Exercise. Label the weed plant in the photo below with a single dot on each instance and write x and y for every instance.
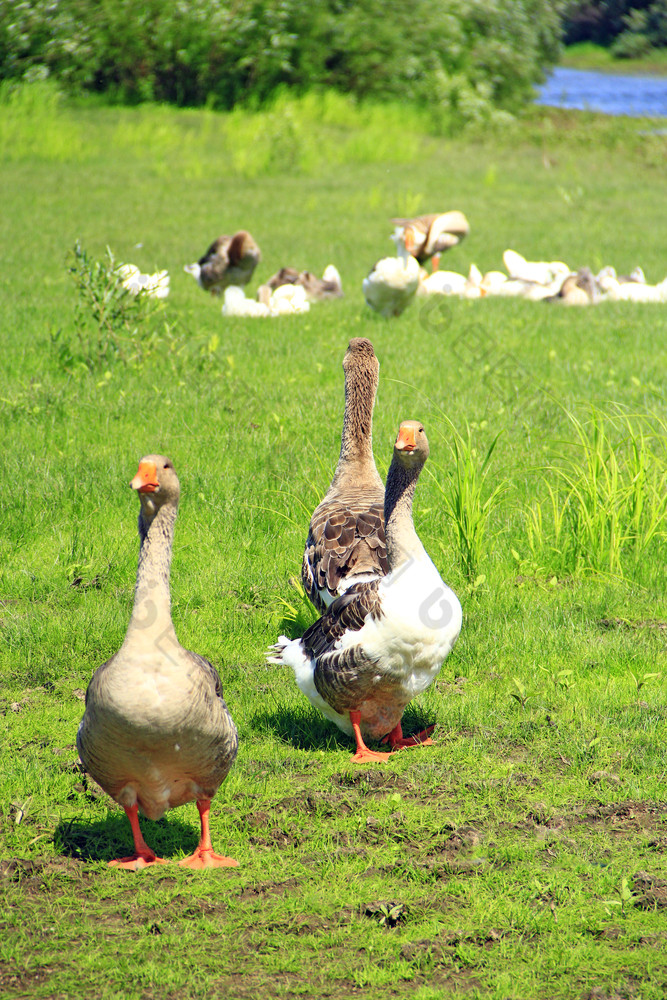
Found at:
(606, 504)
(522, 855)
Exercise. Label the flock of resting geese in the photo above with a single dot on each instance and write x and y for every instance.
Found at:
(157, 733)
(394, 282)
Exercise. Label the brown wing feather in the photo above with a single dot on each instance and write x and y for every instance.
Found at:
(421, 222)
(344, 677)
(342, 542)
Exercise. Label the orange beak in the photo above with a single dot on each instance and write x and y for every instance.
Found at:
(406, 439)
(145, 480)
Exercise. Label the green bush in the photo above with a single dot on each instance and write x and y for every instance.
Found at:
(464, 54)
(629, 29)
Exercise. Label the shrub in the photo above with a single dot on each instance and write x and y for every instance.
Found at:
(466, 54)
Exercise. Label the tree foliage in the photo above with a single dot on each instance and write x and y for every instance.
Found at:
(221, 52)
(630, 29)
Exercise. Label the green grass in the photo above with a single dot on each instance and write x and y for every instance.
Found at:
(588, 55)
(502, 862)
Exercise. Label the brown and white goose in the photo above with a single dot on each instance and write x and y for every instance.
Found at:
(427, 236)
(156, 732)
(230, 260)
(383, 642)
(329, 286)
(346, 542)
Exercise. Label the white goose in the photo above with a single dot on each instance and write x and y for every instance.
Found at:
(287, 300)
(441, 283)
(383, 642)
(155, 286)
(156, 732)
(346, 543)
(618, 290)
(392, 284)
(536, 272)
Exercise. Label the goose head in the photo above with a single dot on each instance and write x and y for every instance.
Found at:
(409, 239)
(156, 483)
(360, 355)
(411, 447)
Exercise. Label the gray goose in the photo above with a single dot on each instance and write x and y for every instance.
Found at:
(156, 732)
(383, 641)
(230, 260)
(427, 236)
(346, 542)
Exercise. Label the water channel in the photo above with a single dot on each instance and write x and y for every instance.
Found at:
(611, 93)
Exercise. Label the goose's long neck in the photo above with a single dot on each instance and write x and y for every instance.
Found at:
(403, 542)
(151, 614)
(402, 253)
(356, 447)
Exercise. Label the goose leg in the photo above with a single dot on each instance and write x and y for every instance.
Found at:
(397, 742)
(363, 753)
(143, 855)
(435, 262)
(205, 856)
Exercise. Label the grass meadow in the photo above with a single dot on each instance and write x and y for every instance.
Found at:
(523, 855)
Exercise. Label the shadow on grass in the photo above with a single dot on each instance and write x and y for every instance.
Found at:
(306, 729)
(111, 838)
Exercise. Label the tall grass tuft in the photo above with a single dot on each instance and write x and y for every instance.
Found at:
(606, 497)
(469, 501)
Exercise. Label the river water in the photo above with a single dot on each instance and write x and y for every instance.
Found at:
(613, 94)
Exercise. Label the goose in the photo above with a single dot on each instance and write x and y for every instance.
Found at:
(384, 641)
(346, 543)
(534, 272)
(473, 288)
(580, 289)
(230, 260)
(155, 286)
(236, 304)
(493, 282)
(156, 732)
(633, 291)
(392, 284)
(441, 283)
(427, 236)
(285, 301)
(289, 299)
(329, 286)
(637, 275)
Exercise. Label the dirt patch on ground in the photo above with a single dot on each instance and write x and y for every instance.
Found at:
(377, 781)
(21, 983)
(262, 889)
(624, 623)
(33, 874)
(650, 892)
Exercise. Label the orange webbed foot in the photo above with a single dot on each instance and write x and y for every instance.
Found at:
(137, 861)
(367, 756)
(363, 754)
(397, 741)
(203, 858)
